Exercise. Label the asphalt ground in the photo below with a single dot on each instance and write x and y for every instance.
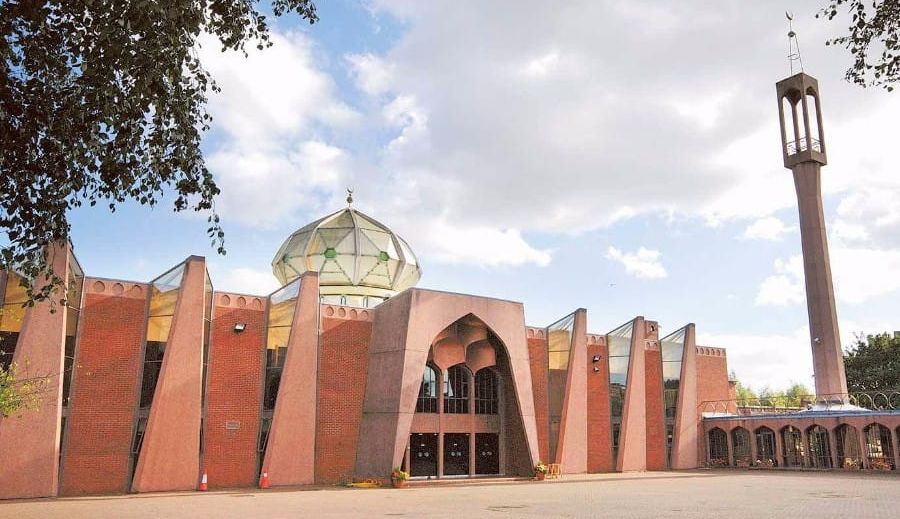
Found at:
(716, 493)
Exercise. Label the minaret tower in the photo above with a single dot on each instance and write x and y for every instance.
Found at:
(803, 149)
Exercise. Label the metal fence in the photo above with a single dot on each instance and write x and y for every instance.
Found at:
(888, 400)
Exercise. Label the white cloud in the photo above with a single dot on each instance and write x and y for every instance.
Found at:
(760, 360)
(858, 275)
(372, 74)
(264, 98)
(785, 286)
(263, 187)
(471, 114)
(242, 280)
(268, 159)
(480, 245)
(642, 264)
(541, 66)
(769, 228)
(862, 274)
(870, 215)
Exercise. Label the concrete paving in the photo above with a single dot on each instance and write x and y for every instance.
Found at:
(723, 493)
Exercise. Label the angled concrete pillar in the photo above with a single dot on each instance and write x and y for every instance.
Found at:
(571, 450)
(170, 453)
(685, 452)
(29, 439)
(633, 435)
(291, 448)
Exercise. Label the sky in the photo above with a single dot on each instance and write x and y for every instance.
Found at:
(619, 156)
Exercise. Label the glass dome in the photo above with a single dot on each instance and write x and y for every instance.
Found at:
(360, 261)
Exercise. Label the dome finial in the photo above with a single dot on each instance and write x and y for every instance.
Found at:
(349, 196)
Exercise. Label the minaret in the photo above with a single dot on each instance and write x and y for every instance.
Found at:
(803, 148)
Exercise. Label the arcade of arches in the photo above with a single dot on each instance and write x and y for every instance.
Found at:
(870, 442)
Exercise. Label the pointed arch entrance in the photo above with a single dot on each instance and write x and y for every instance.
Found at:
(422, 327)
(459, 432)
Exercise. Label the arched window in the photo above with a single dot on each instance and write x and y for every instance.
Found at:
(847, 446)
(792, 446)
(428, 402)
(819, 447)
(456, 390)
(718, 447)
(486, 401)
(879, 451)
(765, 446)
(740, 439)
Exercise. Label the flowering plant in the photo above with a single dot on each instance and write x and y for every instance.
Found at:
(399, 474)
(880, 464)
(851, 464)
(541, 467)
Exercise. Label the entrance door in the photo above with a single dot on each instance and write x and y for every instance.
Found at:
(456, 454)
(423, 453)
(487, 455)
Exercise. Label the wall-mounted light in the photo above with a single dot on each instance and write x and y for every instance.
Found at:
(239, 327)
(596, 358)
(596, 369)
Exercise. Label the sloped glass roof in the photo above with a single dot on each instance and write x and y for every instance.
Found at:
(353, 253)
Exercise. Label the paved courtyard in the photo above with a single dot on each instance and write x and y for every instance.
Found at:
(685, 494)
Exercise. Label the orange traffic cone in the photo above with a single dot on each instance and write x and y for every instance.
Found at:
(264, 480)
(203, 481)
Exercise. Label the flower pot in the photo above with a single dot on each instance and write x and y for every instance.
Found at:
(539, 476)
(398, 483)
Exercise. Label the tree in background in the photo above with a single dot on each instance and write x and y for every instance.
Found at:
(873, 363)
(744, 394)
(796, 395)
(873, 40)
(104, 101)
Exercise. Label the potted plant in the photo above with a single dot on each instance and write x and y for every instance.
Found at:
(399, 477)
(851, 464)
(540, 471)
(880, 464)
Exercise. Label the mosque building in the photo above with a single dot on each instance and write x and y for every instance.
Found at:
(349, 370)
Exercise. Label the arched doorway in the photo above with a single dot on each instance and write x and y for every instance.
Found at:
(718, 447)
(765, 446)
(819, 447)
(879, 449)
(740, 441)
(847, 447)
(792, 446)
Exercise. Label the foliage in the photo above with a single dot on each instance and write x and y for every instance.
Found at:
(796, 395)
(873, 363)
(873, 40)
(399, 474)
(18, 393)
(541, 467)
(104, 101)
(744, 394)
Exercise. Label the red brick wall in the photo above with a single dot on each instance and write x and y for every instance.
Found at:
(537, 354)
(656, 426)
(343, 367)
(103, 395)
(712, 377)
(234, 390)
(599, 440)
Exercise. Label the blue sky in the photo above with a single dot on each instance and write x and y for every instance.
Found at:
(617, 156)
